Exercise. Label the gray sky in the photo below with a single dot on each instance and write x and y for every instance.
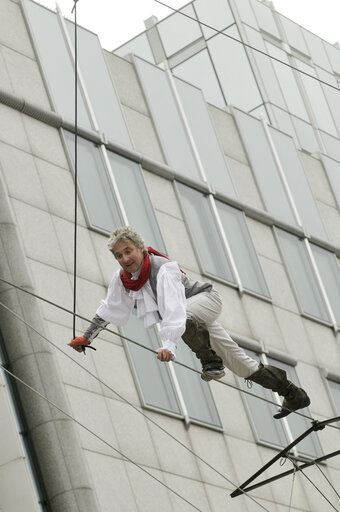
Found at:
(117, 22)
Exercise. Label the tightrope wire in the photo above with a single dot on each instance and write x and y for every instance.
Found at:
(311, 482)
(122, 336)
(125, 400)
(131, 404)
(95, 435)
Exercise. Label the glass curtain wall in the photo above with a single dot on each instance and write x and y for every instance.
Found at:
(115, 180)
(280, 175)
(106, 185)
(215, 258)
(156, 383)
(317, 294)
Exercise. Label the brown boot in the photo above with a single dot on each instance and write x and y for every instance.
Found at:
(271, 377)
(197, 338)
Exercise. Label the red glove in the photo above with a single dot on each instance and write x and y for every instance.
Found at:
(79, 343)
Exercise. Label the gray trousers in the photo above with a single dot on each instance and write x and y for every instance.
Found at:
(206, 308)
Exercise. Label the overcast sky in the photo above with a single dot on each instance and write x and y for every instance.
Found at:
(117, 22)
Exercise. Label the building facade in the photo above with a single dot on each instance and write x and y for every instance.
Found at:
(216, 134)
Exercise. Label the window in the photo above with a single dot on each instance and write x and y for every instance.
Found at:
(202, 130)
(317, 100)
(137, 205)
(54, 53)
(271, 431)
(332, 146)
(95, 186)
(286, 76)
(234, 71)
(167, 118)
(248, 266)
(306, 135)
(266, 69)
(297, 183)
(56, 62)
(316, 50)
(159, 388)
(211, 250)
(246, 13)
(199, 71)
(265, 18)
(329, 269)
(215, 13)
(294, 35)
(100, 183)
(185, 127)
(205, 235)
(280, 174)
(333, 172)
(177, 31)
(99, 85)
(302, 276)
(334, 386)
(334, 56)
(332, 95)
(264, 166)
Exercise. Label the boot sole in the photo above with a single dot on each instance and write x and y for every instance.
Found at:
(208, 378)
(285, 412)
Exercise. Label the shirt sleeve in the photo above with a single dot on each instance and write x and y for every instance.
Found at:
(117, 306)
(171, 305)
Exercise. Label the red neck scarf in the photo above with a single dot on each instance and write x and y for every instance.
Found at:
(136, 284)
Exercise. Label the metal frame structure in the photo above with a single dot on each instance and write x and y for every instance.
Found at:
(316, 425)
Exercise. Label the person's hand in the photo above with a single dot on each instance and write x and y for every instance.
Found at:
(163, 354)
(78, 343)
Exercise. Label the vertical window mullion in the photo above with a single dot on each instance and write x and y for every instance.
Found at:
(282, 174)
(302, 276)
(179, 394)
(320, 284)
(185, 124)
(114, 185)
(225, 243)
(285, 423)
(177, 388)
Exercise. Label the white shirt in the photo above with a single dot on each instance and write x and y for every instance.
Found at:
(171, 304)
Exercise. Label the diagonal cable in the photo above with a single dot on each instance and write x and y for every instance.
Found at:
(153, 351)
(291, 491)
(95, 435)
(311, 482)
(247, 45)
(132, 405)
(327, 479)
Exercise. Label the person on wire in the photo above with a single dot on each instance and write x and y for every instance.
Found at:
(187, 309)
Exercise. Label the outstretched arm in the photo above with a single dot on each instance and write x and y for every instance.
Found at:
(96, 326)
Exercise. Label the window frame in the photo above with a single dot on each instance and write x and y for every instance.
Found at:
(176, 388)
(330, 376)
(115, 191)
(263, 355)
(218, 224)
(310, 258)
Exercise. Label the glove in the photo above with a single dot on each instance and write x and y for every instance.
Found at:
(79, 343)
